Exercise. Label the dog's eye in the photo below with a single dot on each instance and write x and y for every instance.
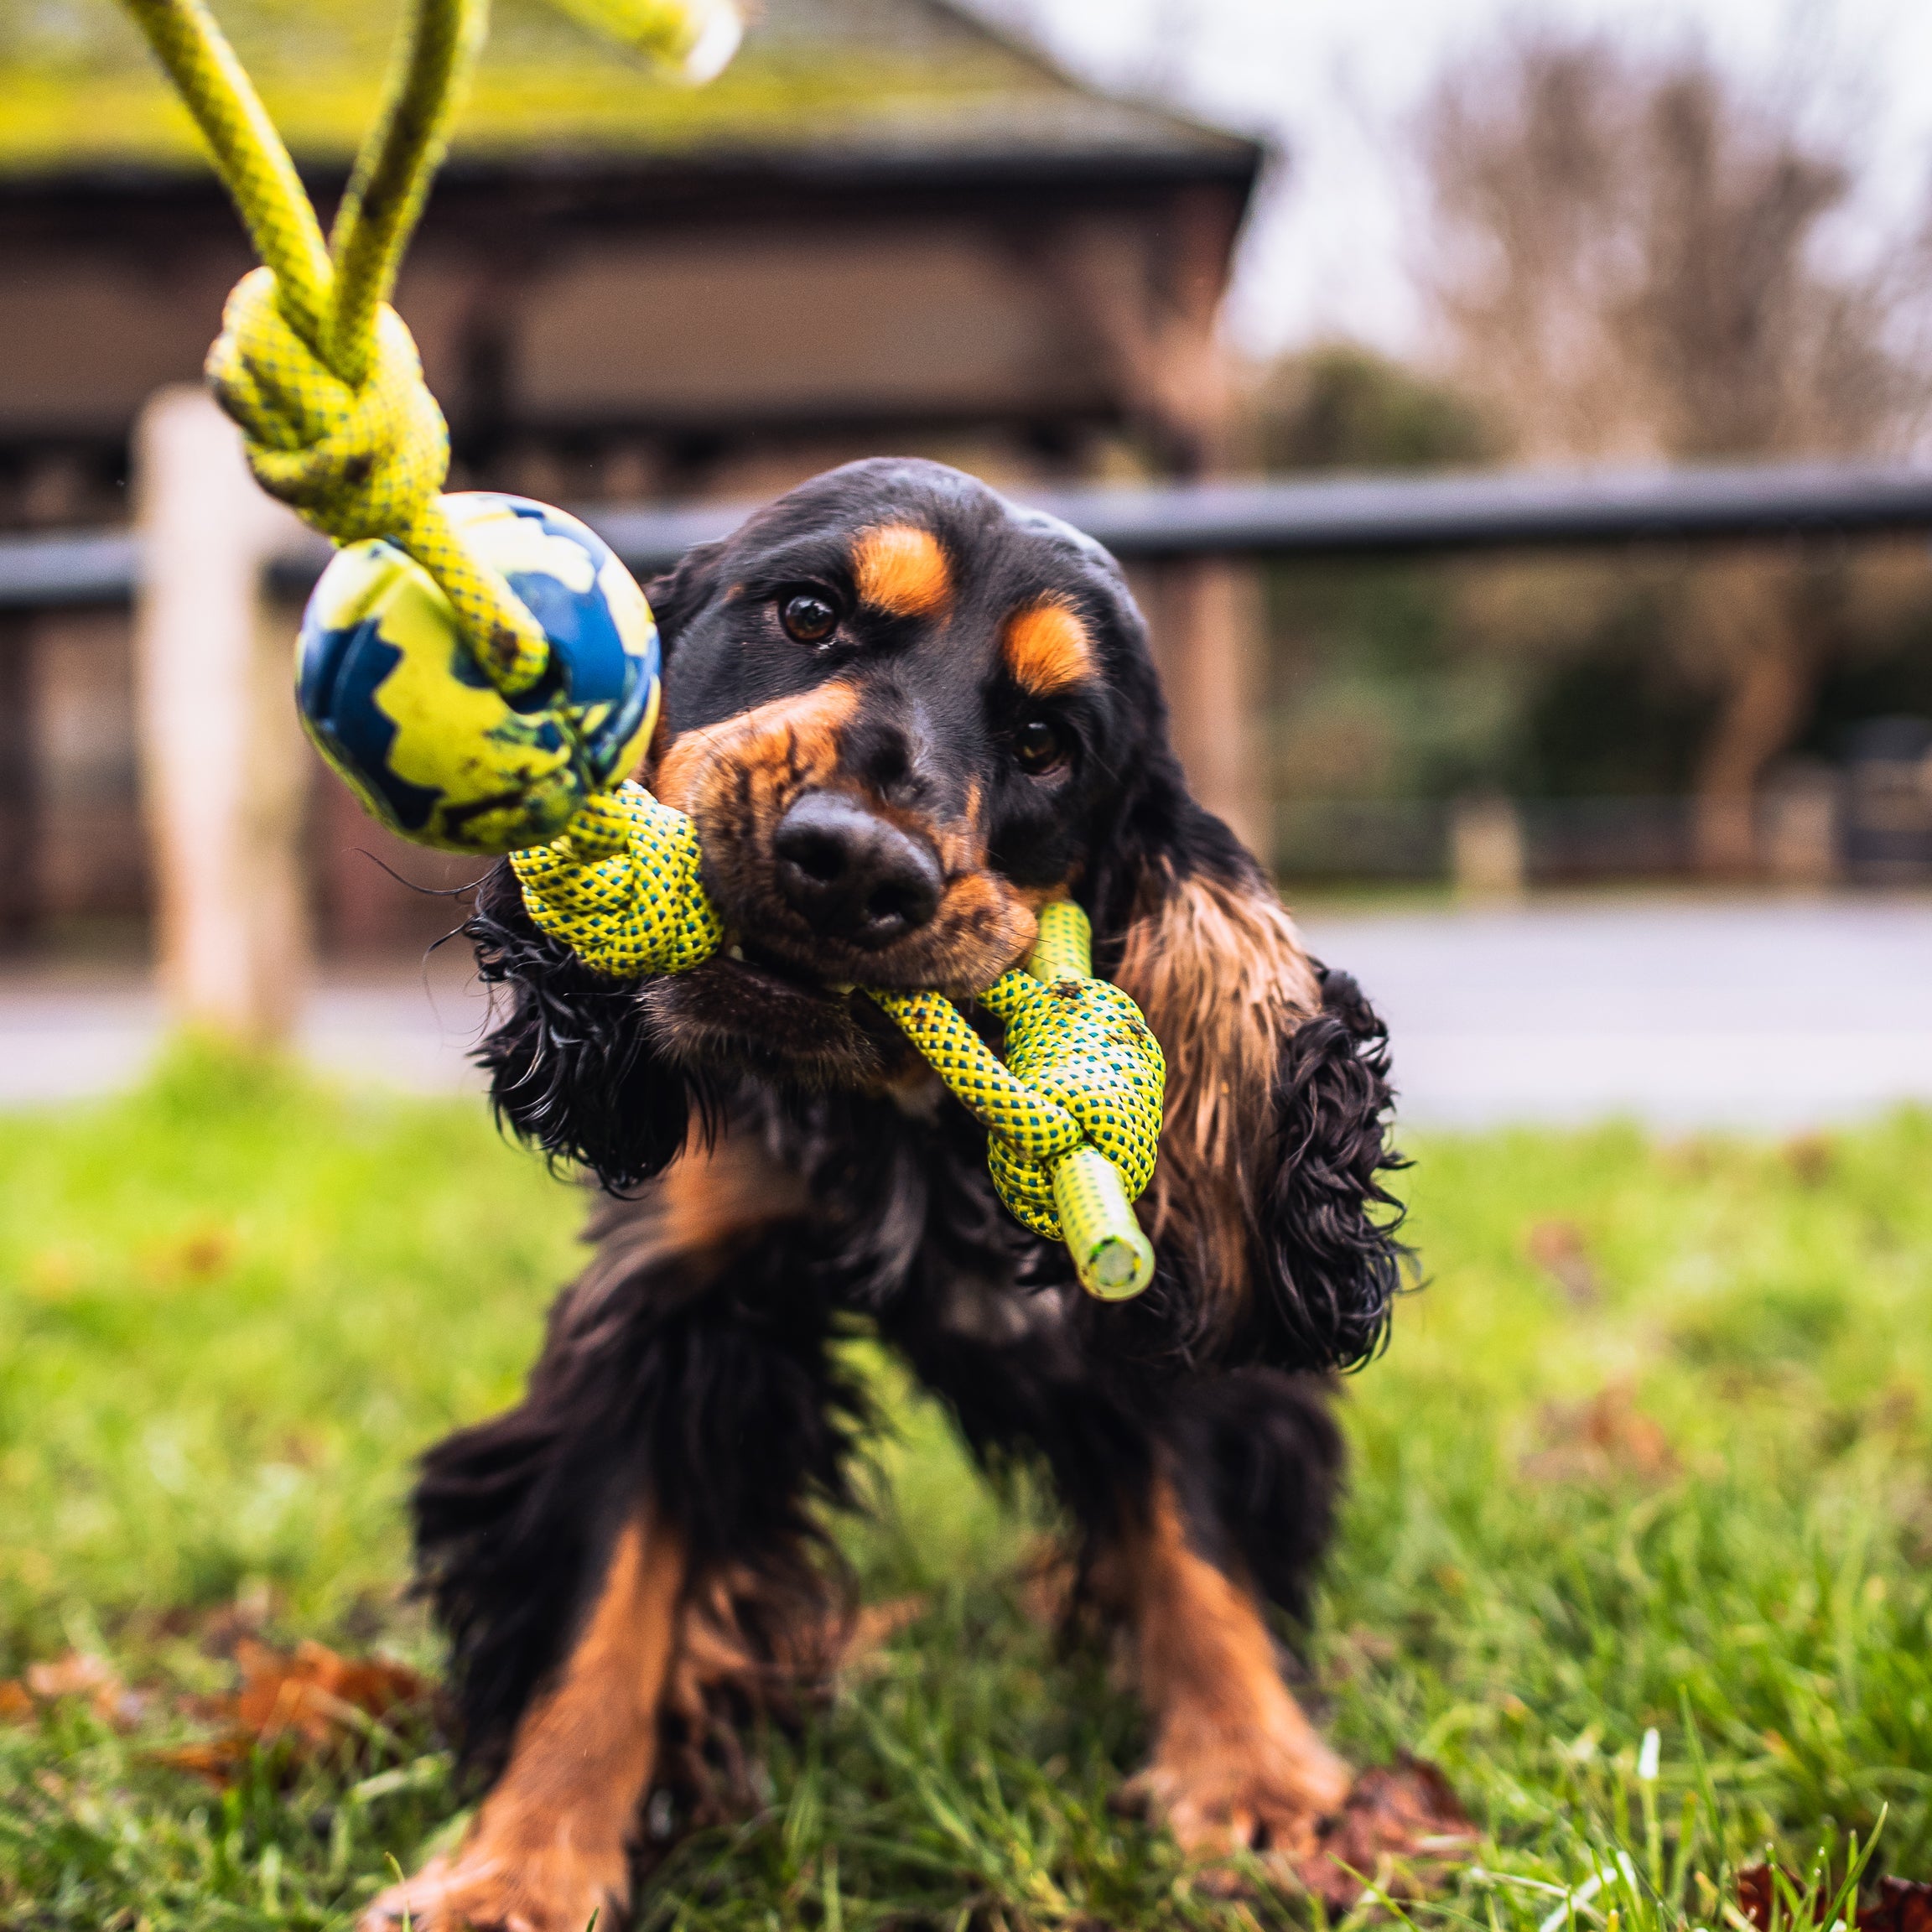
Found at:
(807, 617)
(1036, 747)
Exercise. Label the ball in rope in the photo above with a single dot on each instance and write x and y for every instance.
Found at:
(399, 705)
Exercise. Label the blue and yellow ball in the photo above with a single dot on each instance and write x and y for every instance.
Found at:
(397, 705)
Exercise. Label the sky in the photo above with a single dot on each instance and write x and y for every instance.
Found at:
(1334, 82)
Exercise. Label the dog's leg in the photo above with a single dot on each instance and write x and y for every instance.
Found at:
(1235, 1762)
(1195, 1501)
(549, 1847)
(688, 1411)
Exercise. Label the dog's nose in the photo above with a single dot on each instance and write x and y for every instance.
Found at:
(853, 875)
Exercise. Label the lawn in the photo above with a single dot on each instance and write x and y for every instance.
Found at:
(1649, 1453)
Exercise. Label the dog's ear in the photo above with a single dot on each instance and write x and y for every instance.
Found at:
(573, 1067)
(1266, 1206)
(1329, 1264)
(683, 591)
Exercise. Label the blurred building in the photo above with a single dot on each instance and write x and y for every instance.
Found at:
(886, 228)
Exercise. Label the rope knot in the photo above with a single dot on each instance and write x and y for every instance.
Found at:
(621, 887)
(1081, 1065)
(1081, 1046)
(353, 462)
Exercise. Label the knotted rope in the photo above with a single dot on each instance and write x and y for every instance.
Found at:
(1072, 1118)
(1073, 1114)
(621, 888)
(325, 379)
(319, 371)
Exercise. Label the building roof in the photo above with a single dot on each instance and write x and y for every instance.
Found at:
(882, 83)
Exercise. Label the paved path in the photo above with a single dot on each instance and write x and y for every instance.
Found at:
(1772, 1015)
(1769, 1014)
(64, 1035)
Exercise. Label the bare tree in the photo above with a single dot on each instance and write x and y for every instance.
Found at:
(1631, 258)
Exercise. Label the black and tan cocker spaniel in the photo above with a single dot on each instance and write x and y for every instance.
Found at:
(904, 713)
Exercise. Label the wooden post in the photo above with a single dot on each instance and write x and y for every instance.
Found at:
(1150, 303)
(224, 768)
(19, 846)
(1487, 856)
(1203, 618)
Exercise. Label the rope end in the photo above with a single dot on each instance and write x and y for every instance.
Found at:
(1112, 1255)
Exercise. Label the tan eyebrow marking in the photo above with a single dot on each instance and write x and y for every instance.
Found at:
(901, 570)
(1047, 648)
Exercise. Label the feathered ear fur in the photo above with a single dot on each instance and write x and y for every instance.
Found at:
(676, 596)
(572, 1064)
(1263, 1204)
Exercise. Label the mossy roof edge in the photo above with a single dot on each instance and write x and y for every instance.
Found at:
(814, 83)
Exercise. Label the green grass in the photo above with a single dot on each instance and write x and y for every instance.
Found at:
(233, 1307)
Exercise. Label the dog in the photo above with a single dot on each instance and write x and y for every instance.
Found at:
(905, 714)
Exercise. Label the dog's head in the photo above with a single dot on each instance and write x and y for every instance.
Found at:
(904, 713)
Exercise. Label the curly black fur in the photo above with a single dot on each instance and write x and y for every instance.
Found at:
(573, 1069)
(1332, 1265)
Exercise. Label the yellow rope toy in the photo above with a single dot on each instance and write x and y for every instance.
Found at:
(1075, 1111)
(323, 379)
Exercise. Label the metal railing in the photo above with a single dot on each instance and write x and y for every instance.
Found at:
(41, 571)
(1336, 517)
(1562, 841)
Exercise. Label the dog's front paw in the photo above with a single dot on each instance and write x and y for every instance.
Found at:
(1266, 1786)
(501, 1888)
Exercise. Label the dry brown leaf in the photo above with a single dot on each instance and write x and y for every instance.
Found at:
(1810, 1158)
(1402, 1827)
(79, 1673)
(1759, 1897)
(1559, 1249)
(1755, 1894)
(876, 1625)
(1692, 1159)
(1597, 1441)
(218, 1759)
(1902, 1904)
(315, 1694)
(311, 1701)
(198, 1255)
